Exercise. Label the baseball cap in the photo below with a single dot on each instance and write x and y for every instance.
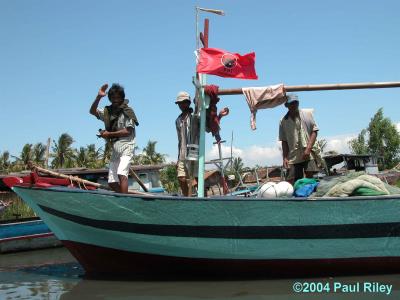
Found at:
(182, 96)
(291, 98)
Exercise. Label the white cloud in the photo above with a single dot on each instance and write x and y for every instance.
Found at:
(398, 126)
(251, 156)
(339, 143)
(225, 150)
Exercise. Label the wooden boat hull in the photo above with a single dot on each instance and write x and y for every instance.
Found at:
(101, 261)
(123, 234)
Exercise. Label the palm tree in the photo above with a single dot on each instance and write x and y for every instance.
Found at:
(5, 162)
(26, 154)
(23, 159)
(150, 156)
(236, 169)
(63, 153)
(88, 157)
(38, 152)
(137, 158)
(81, 157)
(106, 153)
(94, 156)
(237, 166)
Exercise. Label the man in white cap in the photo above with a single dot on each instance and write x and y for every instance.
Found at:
(183, 123)
(298, 133)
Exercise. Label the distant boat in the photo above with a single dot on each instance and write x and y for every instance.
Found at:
(26, 234)
(148, 174)
(156, 235)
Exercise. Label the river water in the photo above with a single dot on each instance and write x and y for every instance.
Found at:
(54, 274)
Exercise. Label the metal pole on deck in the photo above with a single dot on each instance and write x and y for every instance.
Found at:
(202, 142)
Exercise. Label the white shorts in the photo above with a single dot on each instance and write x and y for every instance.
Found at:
(119, 166)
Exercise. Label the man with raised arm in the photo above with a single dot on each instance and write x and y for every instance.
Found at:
(119, 120)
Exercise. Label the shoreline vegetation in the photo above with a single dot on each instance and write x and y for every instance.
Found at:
(17, 209)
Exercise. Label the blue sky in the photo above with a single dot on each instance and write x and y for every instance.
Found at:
(54, 55)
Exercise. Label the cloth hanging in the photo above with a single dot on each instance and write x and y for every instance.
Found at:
(263, 97)
(111, 115)
(212, 117)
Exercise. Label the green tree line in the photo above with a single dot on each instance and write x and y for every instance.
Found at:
(381, 138)
(62, 154)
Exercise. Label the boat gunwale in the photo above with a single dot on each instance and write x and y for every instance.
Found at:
(16, 221)
(220, 198)
(26, 237)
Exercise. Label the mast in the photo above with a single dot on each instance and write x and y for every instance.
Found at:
(204, 100)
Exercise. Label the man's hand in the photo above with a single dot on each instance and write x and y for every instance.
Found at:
(286, 163)
(306, 154)
(103, 90)
(104, 134)
(223, 112)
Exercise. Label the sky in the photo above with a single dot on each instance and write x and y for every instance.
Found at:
(54, 56)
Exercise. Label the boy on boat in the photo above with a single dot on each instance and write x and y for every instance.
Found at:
(183, 125)
(298, 134)
(120, 121)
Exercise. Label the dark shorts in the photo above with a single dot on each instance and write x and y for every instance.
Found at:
(296, 171)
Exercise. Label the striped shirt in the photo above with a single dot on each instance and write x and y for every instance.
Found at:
(182, 124)
(123, 146)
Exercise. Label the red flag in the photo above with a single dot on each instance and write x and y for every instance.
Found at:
(226, 64)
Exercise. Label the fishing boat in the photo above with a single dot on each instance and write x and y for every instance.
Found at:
(122, 234)
(146, 234)
(26, 234)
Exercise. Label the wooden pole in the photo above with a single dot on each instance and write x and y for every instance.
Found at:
(136, 177)
(324, 87)
(46, 161)
(75, 179)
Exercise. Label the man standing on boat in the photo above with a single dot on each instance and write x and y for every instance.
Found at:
(298, 134)
(120, 121)
(183, 125)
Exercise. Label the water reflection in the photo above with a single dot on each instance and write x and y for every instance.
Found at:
(39, 282)
(21, 277)
(241, 290)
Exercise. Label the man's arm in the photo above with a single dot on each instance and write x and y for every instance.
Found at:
(116, 134)
(102, 92)
(285, 154)
(310, 144)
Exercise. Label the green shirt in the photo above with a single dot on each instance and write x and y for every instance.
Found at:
(296, 132)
